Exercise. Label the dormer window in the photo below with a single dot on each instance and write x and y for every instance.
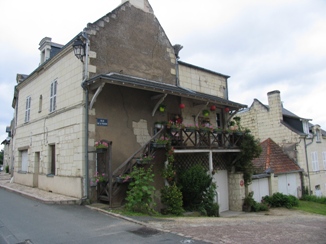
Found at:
(305, 126)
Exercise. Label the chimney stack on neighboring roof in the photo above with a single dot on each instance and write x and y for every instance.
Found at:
(275, 105)
(141, 4)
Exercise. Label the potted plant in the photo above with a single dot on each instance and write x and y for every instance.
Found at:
(206, 113)
(145, 159)
(124, 178)
(248, 202)
(191, 128)
(162, 108)
(160, 142)
(159, 125)
(99, 179)
(101, 145)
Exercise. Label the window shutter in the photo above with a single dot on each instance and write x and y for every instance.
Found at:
(324, 160)
(315, 165)
(28, 109)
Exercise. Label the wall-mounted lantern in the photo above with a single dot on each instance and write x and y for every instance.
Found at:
(79, 48)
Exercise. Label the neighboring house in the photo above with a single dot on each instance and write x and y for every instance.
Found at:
(275, 172)
(302, 141)
(129, 68)
(7, 152)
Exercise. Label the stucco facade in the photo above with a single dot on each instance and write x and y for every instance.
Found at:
(288, 131)
(131, 68)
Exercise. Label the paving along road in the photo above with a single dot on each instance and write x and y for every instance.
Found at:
(24, 220)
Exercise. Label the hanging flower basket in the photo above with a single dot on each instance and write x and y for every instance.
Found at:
(161, 108)
(205, 113)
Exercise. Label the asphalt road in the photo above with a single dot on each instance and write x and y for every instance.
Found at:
(24, 220)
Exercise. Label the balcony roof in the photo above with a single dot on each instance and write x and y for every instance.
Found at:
(150, 85)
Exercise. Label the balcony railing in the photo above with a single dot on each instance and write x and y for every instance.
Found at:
(186, 138)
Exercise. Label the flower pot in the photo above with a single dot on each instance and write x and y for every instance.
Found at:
(101, 150)
(158, 126)
(142, 161)
(122, 180)
(190, 129)
(158, 145)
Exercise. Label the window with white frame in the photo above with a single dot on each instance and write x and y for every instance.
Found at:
(324, 160)
(314, 160)
(28, 109)
(305, 126)
(53, 95)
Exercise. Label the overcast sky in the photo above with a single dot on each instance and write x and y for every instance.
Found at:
(264, 45)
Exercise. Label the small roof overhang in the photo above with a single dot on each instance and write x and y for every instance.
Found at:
(150, 85)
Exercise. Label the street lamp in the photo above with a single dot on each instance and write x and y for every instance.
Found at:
(79, 48)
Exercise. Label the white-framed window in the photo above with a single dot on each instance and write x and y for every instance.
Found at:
(314, 161)
(28, 109)
(53, 95)
(324, 160)
(305, 126)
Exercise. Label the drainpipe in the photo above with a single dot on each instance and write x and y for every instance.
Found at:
(307, 164)
(83, 85)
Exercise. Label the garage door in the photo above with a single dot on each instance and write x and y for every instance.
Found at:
(222, 190)
(287, 184)
(260, 188)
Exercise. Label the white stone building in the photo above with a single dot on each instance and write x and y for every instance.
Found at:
(304, 142)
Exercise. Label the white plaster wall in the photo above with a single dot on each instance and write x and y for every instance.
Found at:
(63, 128)
(70, 186)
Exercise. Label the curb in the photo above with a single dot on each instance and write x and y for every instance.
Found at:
(76, 202)
(143, 224)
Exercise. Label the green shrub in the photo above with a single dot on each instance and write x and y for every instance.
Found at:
(194, 182)
(171, 197)
(314, 198)
(280, 200)
(198, 191)
(257, 207)
(7, 169)
(140, 191)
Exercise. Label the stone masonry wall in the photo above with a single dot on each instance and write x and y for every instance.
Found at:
(236, 191)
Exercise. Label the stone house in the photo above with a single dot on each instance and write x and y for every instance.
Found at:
(302, 141)
(111, 89)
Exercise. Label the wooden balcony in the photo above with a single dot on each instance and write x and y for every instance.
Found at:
(204, 138)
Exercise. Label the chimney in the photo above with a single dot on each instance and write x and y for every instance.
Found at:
(275, 105)
(141, 4)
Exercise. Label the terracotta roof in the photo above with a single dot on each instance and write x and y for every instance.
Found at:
(273, 157)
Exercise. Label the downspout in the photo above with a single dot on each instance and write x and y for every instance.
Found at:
(83, 85)
(307, 164)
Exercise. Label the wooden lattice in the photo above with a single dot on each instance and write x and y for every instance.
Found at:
(184, 161)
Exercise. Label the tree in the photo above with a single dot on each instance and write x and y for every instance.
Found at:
(250, 149)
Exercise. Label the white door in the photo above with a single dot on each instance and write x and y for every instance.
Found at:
(260, 187)
(222, 190)
(24, 161)
(287, 184)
